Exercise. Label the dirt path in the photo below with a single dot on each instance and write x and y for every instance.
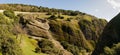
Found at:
(18, 12)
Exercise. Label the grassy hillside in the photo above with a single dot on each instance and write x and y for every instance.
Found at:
(32, 8)
(41, 31)
(8, 43)
(28, 46)
(12, 42)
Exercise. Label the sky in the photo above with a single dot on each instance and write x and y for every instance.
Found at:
(106, 9)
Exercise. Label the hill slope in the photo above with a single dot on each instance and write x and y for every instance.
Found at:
(109, 37)
(54, 34)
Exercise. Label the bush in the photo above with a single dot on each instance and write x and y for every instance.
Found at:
(45, 42)
(9, 45)
(69, 19)
(48, 47)
(115, 50)
(9, 13)
(74, 13)
(108, 51)
(52, 17)
(73, 49)
(49, 13)
(61, 17)
(8, 42)
(38, 50)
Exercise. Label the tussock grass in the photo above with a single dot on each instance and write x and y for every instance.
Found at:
(28, 46)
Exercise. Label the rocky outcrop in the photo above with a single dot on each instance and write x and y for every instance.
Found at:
(35, 26)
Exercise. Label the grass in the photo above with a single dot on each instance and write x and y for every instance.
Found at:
(66, 16)
(0, 53)
(88, 18)
(28, 46)
(43, 15)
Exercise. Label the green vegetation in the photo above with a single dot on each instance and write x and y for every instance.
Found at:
(76, 31)
(69, 19)
(61, 17)
(29, 34)
(32, 8)
(73, 49)
(13, 42)
(90, 27)
(0, 53)
(28, 46)
(8, 13)
(49, 13)
(109, 37)
(69, 32)
(52, 17)
(115, 50)
(47, 47)
(8, 44)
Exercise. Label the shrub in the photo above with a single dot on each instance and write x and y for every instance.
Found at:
(74, 13)
(83, 52)
(9, 13)
(61, 17)
(48, 47)
(44, 42)
(1, 16)
(73, 49)
(108, 51)
(38, 50)
(52, 17)
(69, 19)
(8, 42)
(92, 42)
(9, 45)
(115, 50)
(49, 13)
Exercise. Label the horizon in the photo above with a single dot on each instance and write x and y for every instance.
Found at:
(106, 9)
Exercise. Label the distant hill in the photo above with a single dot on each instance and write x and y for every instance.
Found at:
(108, 42)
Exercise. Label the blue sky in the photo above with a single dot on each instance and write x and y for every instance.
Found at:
(99, 8)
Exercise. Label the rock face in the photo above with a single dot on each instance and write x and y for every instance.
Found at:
(36, 26)
(110, 35)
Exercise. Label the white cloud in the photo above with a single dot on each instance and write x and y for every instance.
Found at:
(115, 4)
